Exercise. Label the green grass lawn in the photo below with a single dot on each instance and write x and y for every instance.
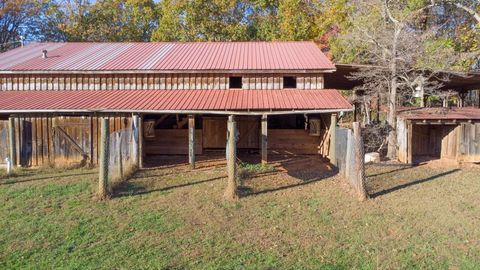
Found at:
(171, 217)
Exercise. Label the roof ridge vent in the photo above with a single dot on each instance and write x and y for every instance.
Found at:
(44, 54)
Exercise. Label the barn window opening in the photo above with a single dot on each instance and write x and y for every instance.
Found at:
(289, 82)
(236, 82)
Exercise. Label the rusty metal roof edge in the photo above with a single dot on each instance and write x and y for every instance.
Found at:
(219, 112)
(177, 71)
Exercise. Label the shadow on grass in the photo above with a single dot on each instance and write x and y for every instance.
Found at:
(10, 181)
(416, 182)
(130, 188)
(402, 168)
(305, 176)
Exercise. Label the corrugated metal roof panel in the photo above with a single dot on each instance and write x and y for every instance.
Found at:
(193, 56)
(465, 113)
(241, 100)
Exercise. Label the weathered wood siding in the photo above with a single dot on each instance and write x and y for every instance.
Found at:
(26, 82)
(293, 141)
(402, 141)
(469, 146)
(172, 142)
(215, 132)
(56, 140)
(460, 142)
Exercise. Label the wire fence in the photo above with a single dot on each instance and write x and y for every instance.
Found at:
(121, 155)
(4, 149)
(350, 159)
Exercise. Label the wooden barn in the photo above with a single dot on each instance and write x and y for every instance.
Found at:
(425, 134)
(52, 96)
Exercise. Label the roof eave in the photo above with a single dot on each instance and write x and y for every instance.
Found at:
(150, 71)
(217, 112)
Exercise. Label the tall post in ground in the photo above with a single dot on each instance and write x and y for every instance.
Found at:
(191, 140)
(104, 158)
(231, 191)
(141, 154)
(264, 139)
(135, 141)
(11, 141)
(359, 162)
(333, 139)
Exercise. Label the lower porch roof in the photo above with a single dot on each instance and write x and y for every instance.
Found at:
(440, 113)
(238, 101)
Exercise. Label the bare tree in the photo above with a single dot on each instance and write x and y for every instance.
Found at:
(391, 39)
(16, 18)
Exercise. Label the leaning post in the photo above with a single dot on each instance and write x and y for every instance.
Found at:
(333, 139)
(231, 191)
(264, 139)
(191, 140)
(11, 141)
(359, 162)
(104, 158)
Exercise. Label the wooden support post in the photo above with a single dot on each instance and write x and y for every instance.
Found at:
(359, 162)
(104, 158)
(333, 139)
(231, 191)
(191, 140)
(264, 139)
(141, 153)
(409, 142)
(11, 141)
(135, 141)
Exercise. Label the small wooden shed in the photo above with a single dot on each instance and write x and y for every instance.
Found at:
(438, 133)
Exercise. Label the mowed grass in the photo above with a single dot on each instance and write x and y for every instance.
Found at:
(173, 218)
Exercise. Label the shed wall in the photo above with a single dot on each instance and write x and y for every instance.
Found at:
(460, 142)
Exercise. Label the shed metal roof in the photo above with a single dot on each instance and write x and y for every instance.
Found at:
(172, 100)
(465, 113)
(166, 56)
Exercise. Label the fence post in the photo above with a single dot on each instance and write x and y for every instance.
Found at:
(359, 162)
(231, 191)
(140, 142)
(104, 158)
(264, 139)
(333, 139)
(136, 136)
(120, 156)
(191, 140)
(11, 141)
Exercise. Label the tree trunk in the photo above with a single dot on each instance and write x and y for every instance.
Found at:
(392, 119)
(392, 100)
(366, 106)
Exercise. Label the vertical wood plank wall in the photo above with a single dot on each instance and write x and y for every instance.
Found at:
(459, 142)
(45, 139)
(26, 82)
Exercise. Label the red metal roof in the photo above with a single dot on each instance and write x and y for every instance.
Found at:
(466, 113)
(170, 56)
(173, 100)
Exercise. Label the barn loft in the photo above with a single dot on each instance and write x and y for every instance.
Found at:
(438, 133)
